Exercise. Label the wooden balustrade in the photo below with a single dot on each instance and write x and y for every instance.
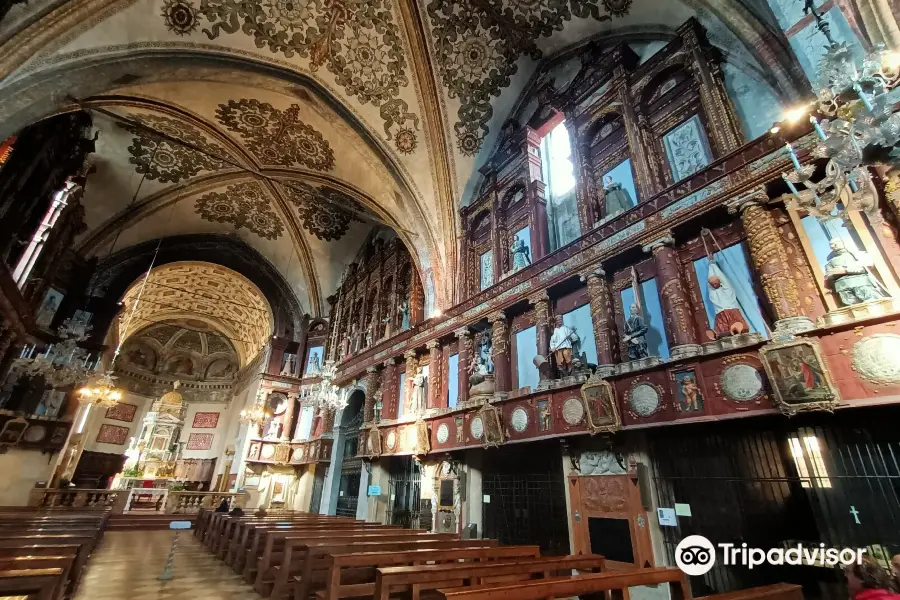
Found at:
(114, 500)
(192, 502)
(123, 501)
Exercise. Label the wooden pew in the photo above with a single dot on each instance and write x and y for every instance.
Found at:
(21, 545)
(314, 570)
(777, 591)
(66, 563)
(37, 584)
(377, 562)
(261, 573)
(431, 577)
(222, 529)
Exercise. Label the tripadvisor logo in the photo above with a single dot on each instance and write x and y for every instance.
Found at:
(696, 555)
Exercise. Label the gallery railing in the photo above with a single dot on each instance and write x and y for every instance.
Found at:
(114, 500)
(135, 500)
(191, 502)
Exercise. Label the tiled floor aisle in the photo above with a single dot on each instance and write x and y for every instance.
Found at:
(126, 566)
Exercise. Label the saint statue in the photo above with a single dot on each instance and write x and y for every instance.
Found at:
(729, 320)
(404, 315)
(850, 279)
(288, 365)
(315, 367)
(561, 345)
(521, 254)
(635, 330)
(419, 397)
(369, 334)
(618, 199)
(354, 338)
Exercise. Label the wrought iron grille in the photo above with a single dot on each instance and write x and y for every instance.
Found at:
(348, 492)
(315, 501)
(771, 483)
(526, 488)
(405, 489)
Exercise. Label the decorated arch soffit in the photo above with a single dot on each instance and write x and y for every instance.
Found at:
(222, 300)
(354, 56)
(274, 171)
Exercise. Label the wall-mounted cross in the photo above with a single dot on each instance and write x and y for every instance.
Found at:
(855, 513)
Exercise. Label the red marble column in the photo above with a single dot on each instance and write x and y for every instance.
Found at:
(435, 374)
(603, 318)
(541, 303)
(500, 350)
(464, 352)
(678, 312)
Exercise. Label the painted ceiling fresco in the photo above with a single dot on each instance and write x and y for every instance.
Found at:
(296, 124)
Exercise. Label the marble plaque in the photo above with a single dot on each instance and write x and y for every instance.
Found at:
(476, 428)
(573, 411)
(740, 383)
(443, 433)
(519, 419)
(645, 399)
(877, 358)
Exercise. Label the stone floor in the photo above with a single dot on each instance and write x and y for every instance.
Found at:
(127, 564)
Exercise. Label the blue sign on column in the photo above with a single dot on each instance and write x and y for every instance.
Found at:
(374, 490)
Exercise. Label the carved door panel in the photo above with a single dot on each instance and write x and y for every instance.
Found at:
(608, 518)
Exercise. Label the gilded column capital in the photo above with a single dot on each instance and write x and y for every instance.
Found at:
(667, 239)
(371, 369)
(409, 354)
(755, 197)
(432, 344)
(496, 317)
(595, 271)
(390, 361)
(462, 333)
(539, 297)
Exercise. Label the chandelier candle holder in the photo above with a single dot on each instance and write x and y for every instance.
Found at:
(102, 392)
(61, 364)
(856, 128)
(257, 414)
(326, 394)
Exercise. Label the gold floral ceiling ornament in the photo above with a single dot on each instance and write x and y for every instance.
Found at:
(160, 159)
(359, 43)
(242, 205)
(478, 42)
(320, 209)
(276, 137)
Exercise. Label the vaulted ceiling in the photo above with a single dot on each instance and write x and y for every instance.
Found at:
(297, 125)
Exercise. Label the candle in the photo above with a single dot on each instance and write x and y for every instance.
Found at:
(819, 129)
(793, 156)
(853, 187)
(862, 96)
(790, 185)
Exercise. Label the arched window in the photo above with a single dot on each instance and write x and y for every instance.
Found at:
(559, 179)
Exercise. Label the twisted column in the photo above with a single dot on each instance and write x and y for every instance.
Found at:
(464, 353)
(541, 304)
(373, 382)
(500, 350)
(435, 369)
(603, 318)
(676, 303)
(770, 260)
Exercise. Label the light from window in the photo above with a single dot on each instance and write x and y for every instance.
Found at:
(556, 150)
(36, 245)
(810, 463)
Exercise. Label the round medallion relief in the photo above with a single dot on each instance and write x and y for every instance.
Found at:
(35, 433)
(370, 447)
(443, 433)
(391, 440)
(644, 399)
(573, 411)
(740, 382)
(476, 428)
(268, 451)
(298, 453)
(519, 419)
(877, 358)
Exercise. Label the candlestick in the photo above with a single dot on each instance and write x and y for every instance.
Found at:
(790, 185)
(862, 96)
(793, 156)
(818, 128)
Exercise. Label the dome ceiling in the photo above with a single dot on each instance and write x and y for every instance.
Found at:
(302, 123)
(187, 349)
(200, 296)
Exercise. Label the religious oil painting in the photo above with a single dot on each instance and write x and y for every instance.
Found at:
(600, 399)
(545, 420)
(314, 361)
(121, 412)
(618, 189)
(799, 375)
(52, 299)
(112, 434)
(688, 393)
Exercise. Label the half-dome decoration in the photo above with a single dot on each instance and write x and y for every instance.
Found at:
(175, 350)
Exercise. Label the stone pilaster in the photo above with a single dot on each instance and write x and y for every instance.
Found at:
(603, 319)
(411, 362)
(500, 350)
(676, 302)
(373, 382)
(389, 390)
(770, 261)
